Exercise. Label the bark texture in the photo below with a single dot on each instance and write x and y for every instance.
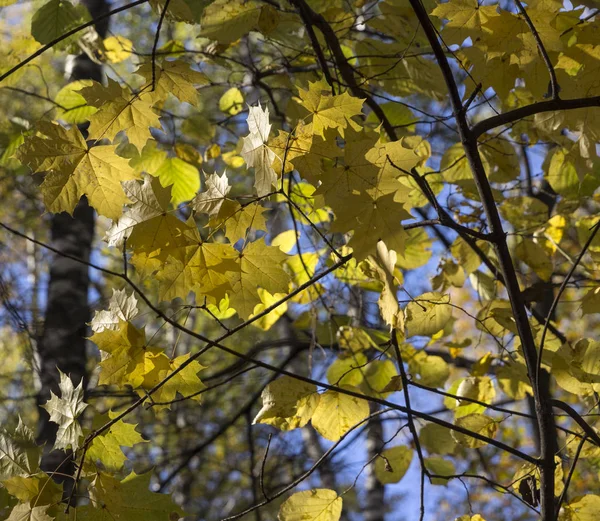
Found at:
(62, 343)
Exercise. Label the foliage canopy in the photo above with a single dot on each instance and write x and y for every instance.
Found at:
(319, 217)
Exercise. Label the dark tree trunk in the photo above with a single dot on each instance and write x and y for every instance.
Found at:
(62, 343)
(374, 508)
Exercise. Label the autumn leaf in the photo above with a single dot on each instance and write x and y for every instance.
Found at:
(120, 110)
(311, 505)
(65, 410)
(256, 153)
(260, 266)
(216, 190)
(287, 403)
(173, 77)
(329, 111)
(337, 413)
(74, 170)
(106, 447)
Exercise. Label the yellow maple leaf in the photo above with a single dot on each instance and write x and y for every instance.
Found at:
(237, 219)
(74, 169)
(147, 224)
(329, 111)
(465, 19)
(119, 109)
(200, 267)
(260, 266)
(185, 383)
(373, 220)
(173, 77)
(127, 358)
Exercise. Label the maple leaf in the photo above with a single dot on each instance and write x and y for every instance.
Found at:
(185, 383)
(28, 512)
(65, 410)
(127, 357)
(216, 190)
(173, 77)
(147, 224)
(465, 19)
(255, 151)
(329, 111)
(120, 308)
(199, 266)
(128, 500)
(228, 20)
(107, 446)
(237, 219)
(372, 221)
(120, 110)
(19, 454)
(260, 266)
(183, 178)
(74, 170)
(37, 489)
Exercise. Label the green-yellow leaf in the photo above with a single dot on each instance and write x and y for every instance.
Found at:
(73, 107)
(288, 403)
(337, 413)
(439, 468)
(319, 504)
(120, 110)
(173, 77)
(477, 423)
(392, 464)
(260, 266)
(427, 314)
(329, 111)
(183, 178)
(107, 446)
(74, 170)
(228, 20)
(347, 370)
(232, 102)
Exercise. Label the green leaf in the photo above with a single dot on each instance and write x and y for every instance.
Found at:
(392, 464)
(437, 439)
(107, 446)
(183, 178)
(55, 18)
(439, 467)
(477, 423)
(74, 108)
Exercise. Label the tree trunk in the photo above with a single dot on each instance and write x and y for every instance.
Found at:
(62, 343)
(374, 490)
